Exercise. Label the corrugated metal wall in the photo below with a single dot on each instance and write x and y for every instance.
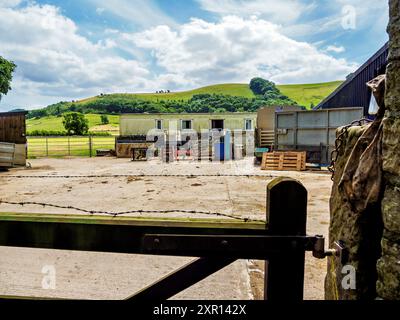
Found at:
(354, 92)
(12, 127)
(312, 131)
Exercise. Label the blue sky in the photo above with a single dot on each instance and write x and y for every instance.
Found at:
(70, 49)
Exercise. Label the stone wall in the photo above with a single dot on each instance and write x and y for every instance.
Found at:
(371, 235)
(359, 231)
(388, 266)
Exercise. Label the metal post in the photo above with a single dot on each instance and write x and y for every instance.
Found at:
(296, 129)
(90, 146)
(47, 147)
(328, 120)
(286, 215)
(69, 146)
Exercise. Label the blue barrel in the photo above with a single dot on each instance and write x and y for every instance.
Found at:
(227, 146)
(219, 151)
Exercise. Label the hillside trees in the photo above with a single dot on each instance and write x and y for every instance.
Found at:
(270, 93)
(6, 70)
(104, 119)
(265, 94)
(75, 123)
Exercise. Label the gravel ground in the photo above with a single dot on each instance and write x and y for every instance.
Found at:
(92, 275)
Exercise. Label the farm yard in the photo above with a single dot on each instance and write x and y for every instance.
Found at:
(200, 150)
(115, 276)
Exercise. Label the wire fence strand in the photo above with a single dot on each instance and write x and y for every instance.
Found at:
(134, 175)
(137, 211)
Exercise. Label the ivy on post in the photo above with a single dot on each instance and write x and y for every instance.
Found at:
(286, 215)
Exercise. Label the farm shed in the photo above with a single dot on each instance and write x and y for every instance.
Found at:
(13, 131)
(266, 124)
(140, 125)
(312, 131)
(354, 92)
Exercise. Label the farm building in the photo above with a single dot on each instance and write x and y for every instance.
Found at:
(266, 124)
(354, 92)
(135, 127)
(141, 124)
(13, 138)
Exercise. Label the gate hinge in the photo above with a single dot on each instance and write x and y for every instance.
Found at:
(339, 249)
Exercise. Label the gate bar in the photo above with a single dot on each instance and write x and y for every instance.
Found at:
(181, 279)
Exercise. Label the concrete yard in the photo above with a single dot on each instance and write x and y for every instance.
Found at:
(92, 275)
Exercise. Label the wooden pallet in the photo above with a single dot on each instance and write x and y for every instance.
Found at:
(284, 161)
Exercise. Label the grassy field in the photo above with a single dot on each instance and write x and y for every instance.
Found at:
(66, 146)
(55, 123)
(234, 89)
(304, 94)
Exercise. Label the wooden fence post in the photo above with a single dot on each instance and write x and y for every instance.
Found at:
(286, 215)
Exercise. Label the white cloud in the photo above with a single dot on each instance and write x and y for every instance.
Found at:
(54, 62)
(237, 49)
(283, 11)
(100, 11)
(9, 3)
(369, 16)
(143, 13)
(335, 49)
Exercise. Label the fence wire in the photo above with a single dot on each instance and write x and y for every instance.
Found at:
(137, 211)
(135, 175)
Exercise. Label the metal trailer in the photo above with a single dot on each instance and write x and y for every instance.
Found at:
(13, 130)
(312, 131)
(7, 151)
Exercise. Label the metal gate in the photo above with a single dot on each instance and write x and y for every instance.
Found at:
(281, 240)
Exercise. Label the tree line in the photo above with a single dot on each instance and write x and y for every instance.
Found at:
(265, 94)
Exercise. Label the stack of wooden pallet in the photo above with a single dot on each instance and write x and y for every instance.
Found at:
(285, 161)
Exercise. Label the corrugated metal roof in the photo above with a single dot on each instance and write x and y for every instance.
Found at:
(13, 113)
(354, 92)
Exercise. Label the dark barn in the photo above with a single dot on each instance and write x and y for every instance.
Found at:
(354, 92)
(13, 130)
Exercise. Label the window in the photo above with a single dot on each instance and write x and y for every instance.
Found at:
(159, 124)
(186, 124)
(217, 124)
(248, 124)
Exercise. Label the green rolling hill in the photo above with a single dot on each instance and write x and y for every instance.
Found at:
(303, 94)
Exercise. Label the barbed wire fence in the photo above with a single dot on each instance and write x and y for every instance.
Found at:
(135, 175)
(136, 211)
